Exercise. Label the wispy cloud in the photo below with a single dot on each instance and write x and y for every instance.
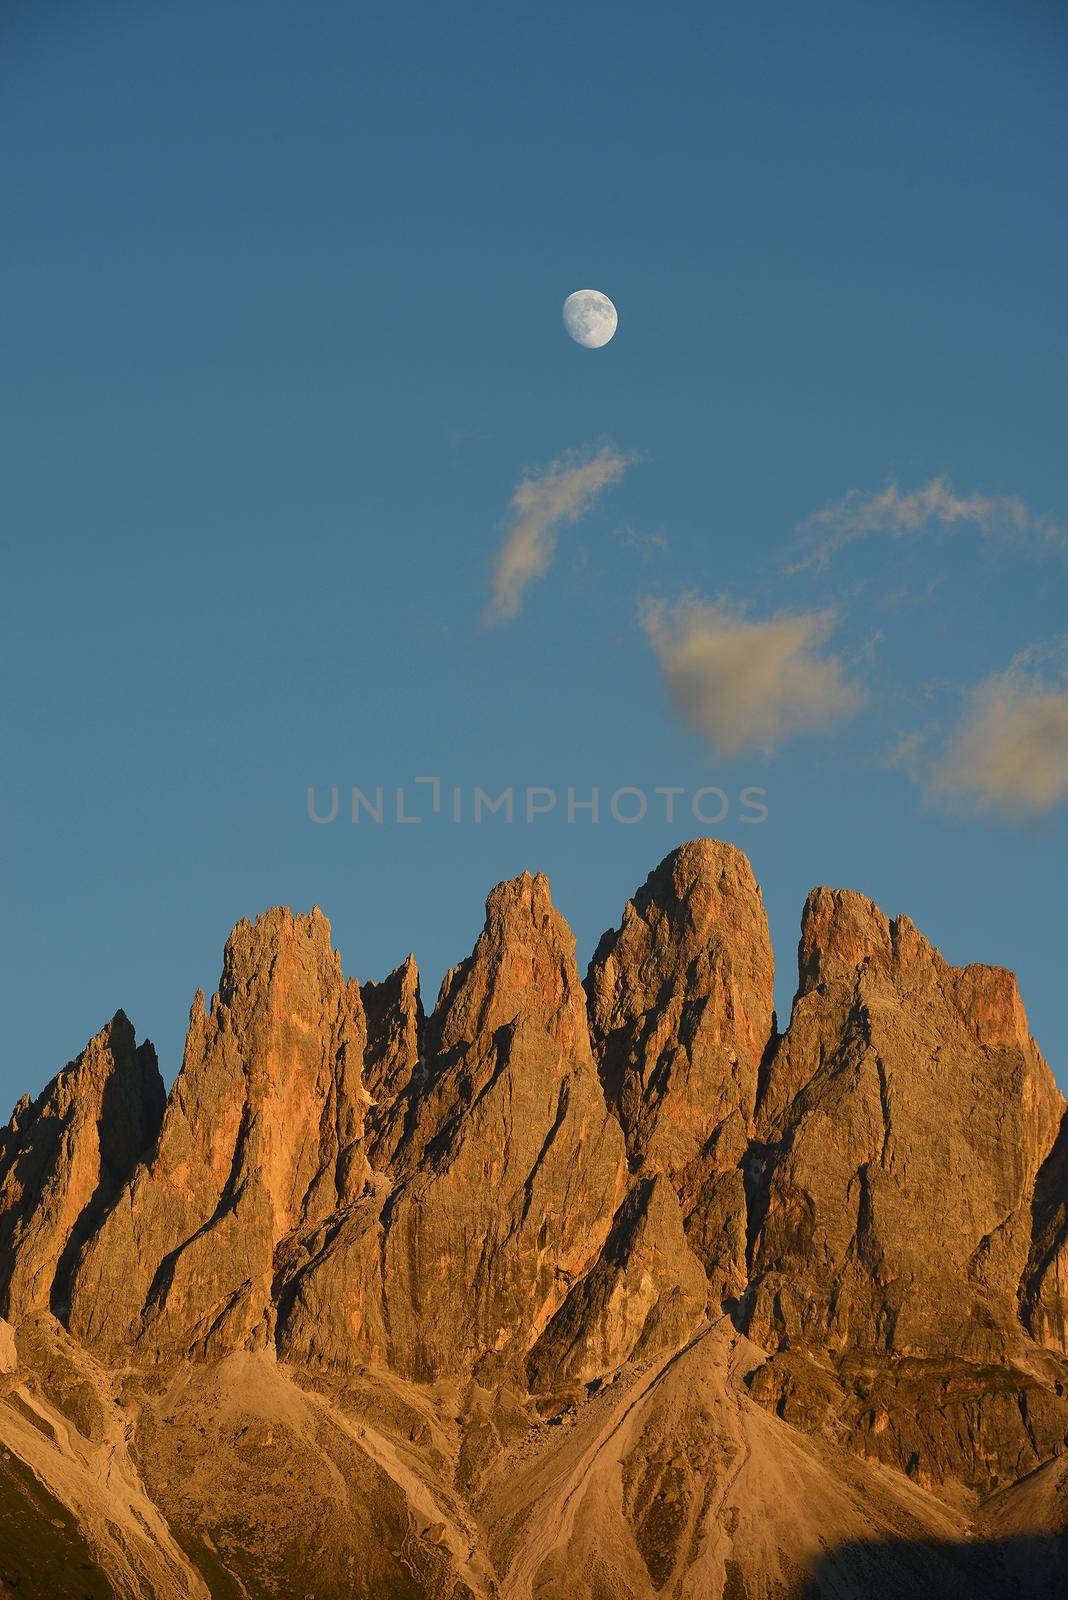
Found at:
(541, 505)
(894, 513)
(635, 539)
(1009, 753)
(744, 684)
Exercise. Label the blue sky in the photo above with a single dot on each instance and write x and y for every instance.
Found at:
(281, 337)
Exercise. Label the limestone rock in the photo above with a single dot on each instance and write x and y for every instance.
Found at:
(673, 1482)
(392, 1058)
(262, 1132)
(65, 1157)
(905, 1116)
(682, 1012)
(459, 1305)
(1044, 1290)
(514, 1166)
(904, 1089)
(645, 1293)
(330, 1312)
(1029, 1521)
(958, 1427)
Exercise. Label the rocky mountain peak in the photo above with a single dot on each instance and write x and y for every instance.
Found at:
(626, 1235)
(263, 1128)
(511, 1166)
(65, 1156)
(885, 1101)
(844, 935)
(682, 1011)
(840, 931)
(695, 930)
(522, 966)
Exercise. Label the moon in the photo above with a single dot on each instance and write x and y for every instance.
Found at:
(590, 318)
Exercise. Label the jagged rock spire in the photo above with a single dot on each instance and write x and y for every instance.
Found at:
(682, 1010)
(65, 1157)
(262, 1131)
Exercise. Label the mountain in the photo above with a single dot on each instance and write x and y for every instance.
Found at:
(565, 1289)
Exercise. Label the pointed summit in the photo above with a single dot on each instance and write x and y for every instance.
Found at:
(262, 1130)
(516, 1166)
(523, 965)
(903, 1121)
(64, 1158)
(682, 1009)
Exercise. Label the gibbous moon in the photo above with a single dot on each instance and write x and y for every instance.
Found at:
(590, 318)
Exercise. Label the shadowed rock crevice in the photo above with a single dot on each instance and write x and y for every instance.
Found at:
(646, 1293)
(1044, 1284)
(394, 1058)
(127, 1127)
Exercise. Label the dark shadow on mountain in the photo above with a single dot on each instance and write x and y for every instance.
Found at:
(1031, 1567)
(127, 1130)
(1049, 1227)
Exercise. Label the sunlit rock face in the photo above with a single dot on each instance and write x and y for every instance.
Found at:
(682, 1012)
(513, 1165)
(903, 1089)
(903, 1123)
(564, 1289)
(262, 1131)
